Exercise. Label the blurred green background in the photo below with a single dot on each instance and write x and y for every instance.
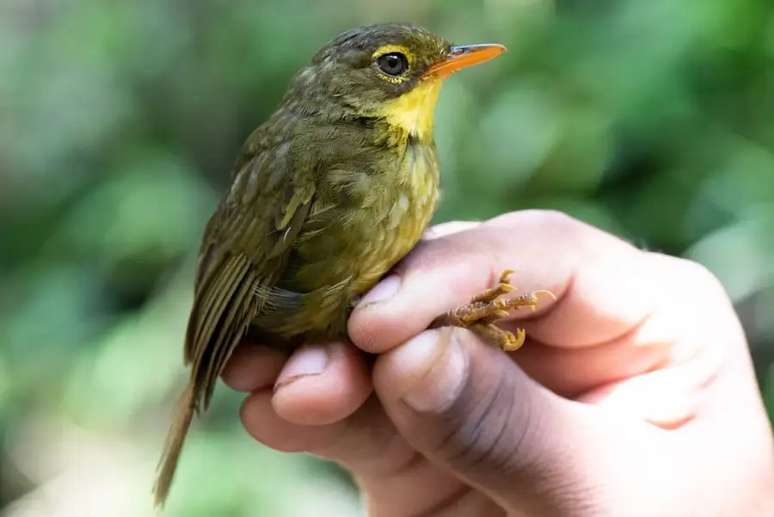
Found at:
(119, 122)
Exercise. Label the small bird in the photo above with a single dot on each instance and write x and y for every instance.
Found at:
(327, 195)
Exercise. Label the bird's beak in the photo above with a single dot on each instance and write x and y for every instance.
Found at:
(463, 56)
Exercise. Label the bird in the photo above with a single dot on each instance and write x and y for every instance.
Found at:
(327, 195)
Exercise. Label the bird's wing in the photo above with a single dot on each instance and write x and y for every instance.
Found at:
(244, 252)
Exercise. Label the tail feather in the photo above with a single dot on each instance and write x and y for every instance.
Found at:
(174, 444)
(222, 312)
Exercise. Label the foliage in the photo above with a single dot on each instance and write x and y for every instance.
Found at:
(120, 121)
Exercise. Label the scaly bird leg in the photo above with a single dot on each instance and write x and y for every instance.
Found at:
(490, 306)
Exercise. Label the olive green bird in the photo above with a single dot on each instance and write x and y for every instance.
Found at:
(327, 195)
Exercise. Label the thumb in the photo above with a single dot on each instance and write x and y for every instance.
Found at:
(469, 408)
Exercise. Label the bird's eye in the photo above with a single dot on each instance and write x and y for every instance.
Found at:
(392, 63)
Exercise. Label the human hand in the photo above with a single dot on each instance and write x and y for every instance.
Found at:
(633, 395)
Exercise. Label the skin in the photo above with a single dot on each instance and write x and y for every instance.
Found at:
(634, 394)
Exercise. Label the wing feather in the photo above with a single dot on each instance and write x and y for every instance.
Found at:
(245, 250)
(240, 285)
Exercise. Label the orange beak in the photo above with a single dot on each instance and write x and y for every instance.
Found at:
(463, 56)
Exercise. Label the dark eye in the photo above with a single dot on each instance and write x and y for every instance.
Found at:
(392, 63)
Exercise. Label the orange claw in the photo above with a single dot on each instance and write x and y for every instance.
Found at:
(512, 345)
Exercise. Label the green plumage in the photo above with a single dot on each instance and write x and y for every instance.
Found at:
(325, 198)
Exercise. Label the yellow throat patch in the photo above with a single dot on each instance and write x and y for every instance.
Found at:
(412, 112)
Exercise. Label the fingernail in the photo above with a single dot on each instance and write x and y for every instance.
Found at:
(384, 290)
(441, 377)
(307, 360)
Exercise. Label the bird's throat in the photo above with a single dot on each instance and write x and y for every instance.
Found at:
(412, 112)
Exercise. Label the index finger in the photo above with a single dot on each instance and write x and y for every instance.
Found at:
(600, 282)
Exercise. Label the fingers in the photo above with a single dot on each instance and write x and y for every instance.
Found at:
(356, 440)
(252, 367)
(321, 384)
(666, 398)
(465, 408)
(598, 279)
(316, 406)
(367, 444)
(620, 312)
(573, 372)
(701, 339)
(315, 402)
(265, 425)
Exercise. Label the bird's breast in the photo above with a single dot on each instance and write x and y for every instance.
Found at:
(397, 223)
(356, 232)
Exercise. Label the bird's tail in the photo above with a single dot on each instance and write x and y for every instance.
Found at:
(174, 444)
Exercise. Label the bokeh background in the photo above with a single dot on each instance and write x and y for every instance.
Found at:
(119, 122)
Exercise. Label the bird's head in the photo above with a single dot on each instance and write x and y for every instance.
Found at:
(391, 72)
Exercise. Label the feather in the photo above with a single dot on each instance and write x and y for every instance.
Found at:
(235, 284)
(178, 430)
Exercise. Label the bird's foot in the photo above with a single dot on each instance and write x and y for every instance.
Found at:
(484, 310)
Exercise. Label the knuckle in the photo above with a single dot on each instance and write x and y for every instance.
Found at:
(551, 219)
(699, 278)
(556, 218)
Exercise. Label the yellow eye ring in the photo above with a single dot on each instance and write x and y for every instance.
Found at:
(392, 62)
